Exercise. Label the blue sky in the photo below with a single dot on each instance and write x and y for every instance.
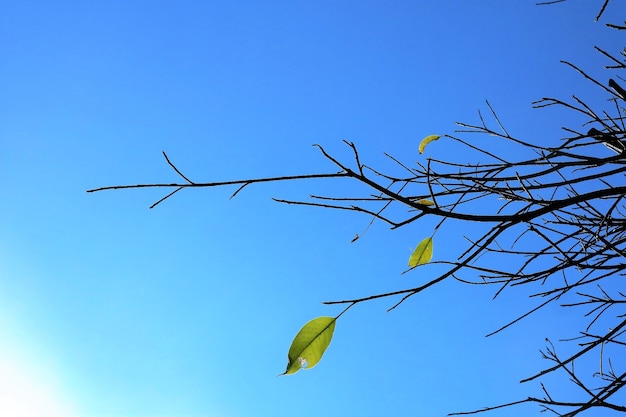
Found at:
(110, 309)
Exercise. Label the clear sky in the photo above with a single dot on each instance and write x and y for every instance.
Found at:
(108, 309)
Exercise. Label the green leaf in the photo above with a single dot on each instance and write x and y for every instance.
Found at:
(426, 141)
(422, 254)
(310, 344)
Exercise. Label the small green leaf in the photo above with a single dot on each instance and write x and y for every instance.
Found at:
(426, 202)
(422, 254)
(310, 344)
(426, 141)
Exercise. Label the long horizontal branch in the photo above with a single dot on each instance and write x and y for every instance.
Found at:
(347, 172)
(221, 183)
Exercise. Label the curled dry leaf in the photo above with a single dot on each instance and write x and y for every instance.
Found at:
(426, 141)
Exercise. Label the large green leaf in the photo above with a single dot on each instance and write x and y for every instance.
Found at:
(426, 141)
(310, 344)
(423, 253)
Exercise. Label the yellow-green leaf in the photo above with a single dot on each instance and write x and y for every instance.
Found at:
(426, 202)
(426, 141)
(423, 253)
(310, 344)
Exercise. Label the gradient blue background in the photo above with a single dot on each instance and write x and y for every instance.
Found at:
(110, 309)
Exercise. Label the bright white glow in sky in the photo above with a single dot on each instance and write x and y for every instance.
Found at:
(31, 385)
(27, 391)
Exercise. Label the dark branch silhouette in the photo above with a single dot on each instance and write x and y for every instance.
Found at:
(555, 220)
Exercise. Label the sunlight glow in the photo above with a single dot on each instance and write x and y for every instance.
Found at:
(29, 385)
(23, 393)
